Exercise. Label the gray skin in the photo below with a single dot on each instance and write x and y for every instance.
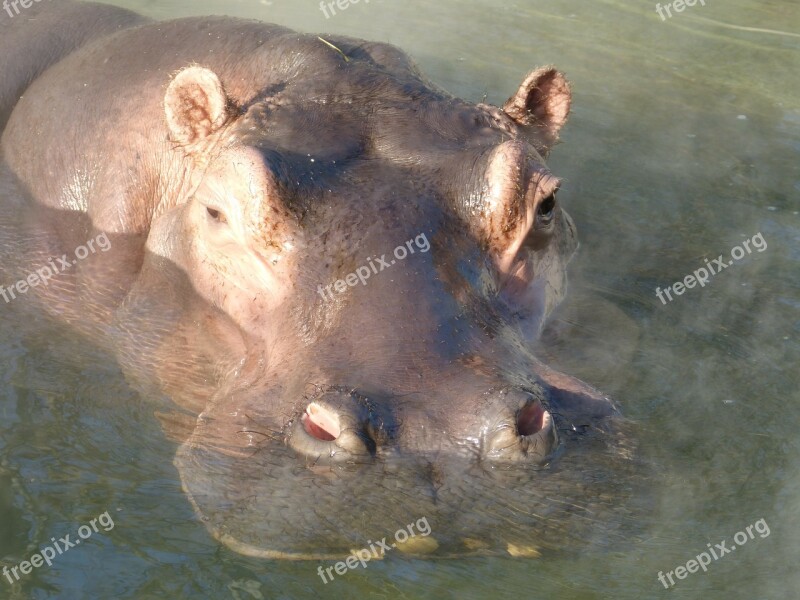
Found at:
(239, 170)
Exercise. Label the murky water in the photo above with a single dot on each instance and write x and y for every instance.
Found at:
(683, 143)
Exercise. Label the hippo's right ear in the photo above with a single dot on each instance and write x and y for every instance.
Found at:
(196, 105)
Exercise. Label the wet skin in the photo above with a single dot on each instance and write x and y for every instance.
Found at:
(239, 168)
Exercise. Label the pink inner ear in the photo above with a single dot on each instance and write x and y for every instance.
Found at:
(195, 105)
(543, 99)
(549, 100)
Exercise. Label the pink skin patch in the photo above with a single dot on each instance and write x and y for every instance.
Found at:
(531, 419)
(321, 423)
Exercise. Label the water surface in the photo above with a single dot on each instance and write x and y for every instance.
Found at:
(683, 142)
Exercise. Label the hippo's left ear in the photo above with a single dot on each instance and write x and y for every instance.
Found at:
(196, 105)
(543, 101)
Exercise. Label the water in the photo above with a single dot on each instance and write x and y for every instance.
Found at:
(684, 141)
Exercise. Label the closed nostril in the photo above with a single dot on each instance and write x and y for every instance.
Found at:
(321, 423)
(530, 418)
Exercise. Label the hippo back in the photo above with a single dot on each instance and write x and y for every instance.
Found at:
(43, 34)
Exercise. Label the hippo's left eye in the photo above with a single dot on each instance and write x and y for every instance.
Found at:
(216, 215)
(546, 212)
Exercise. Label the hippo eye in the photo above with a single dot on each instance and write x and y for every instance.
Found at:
(216, 215)
(546, 211)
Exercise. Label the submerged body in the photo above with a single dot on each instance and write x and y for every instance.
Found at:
(334, 270)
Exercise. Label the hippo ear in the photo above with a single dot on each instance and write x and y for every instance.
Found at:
(543, 100)
(196, 105)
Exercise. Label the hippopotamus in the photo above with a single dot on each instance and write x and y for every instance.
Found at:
(326, 272)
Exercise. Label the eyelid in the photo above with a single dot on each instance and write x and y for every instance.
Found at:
(545, 184)
(216, 214)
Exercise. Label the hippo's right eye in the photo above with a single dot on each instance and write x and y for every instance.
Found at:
(216, 215)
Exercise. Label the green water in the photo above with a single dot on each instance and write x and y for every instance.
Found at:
(683, 142)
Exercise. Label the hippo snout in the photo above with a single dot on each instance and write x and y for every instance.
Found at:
(501, 427)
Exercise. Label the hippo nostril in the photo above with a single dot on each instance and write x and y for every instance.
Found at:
(321, 423)
(530, 418)
(331, 429)
(521, 429)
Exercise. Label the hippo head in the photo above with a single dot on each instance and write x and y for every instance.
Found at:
(386, 254)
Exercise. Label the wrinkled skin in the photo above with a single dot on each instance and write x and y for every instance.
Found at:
(238, 169)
